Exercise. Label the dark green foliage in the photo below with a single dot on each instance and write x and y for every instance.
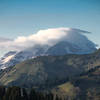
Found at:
(50, 96)
(57, 98)
(2, 92)
(13, 93)
(24, 94)
(17, 93)
(7, 94)
(32, 95)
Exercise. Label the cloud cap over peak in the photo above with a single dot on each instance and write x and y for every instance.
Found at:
(50, 37)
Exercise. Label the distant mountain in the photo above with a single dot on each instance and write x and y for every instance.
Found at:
(13, 57)
(49, 69)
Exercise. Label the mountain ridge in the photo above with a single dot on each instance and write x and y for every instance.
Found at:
(39, 70)
(61, 48)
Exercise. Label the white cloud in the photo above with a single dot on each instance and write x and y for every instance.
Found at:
(49, 37)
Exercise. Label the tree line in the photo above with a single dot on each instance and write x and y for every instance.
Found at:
(17, 93)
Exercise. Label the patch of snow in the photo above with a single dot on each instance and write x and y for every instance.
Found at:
(8, 58)
(3, 68)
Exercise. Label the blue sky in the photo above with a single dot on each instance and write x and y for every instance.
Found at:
(24, 17)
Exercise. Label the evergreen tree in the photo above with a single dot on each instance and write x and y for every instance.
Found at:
(32, 95)
(24, 94)
(2, 92)
(57, 98)
(15, 94)
(7, 94)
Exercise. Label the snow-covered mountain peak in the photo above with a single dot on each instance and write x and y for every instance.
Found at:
(13, 57)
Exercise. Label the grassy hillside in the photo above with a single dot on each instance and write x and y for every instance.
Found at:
(48, 70)
(84, 87)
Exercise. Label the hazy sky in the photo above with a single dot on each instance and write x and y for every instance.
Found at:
(24, 17)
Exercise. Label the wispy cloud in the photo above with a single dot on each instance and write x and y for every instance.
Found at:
(4, 39)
